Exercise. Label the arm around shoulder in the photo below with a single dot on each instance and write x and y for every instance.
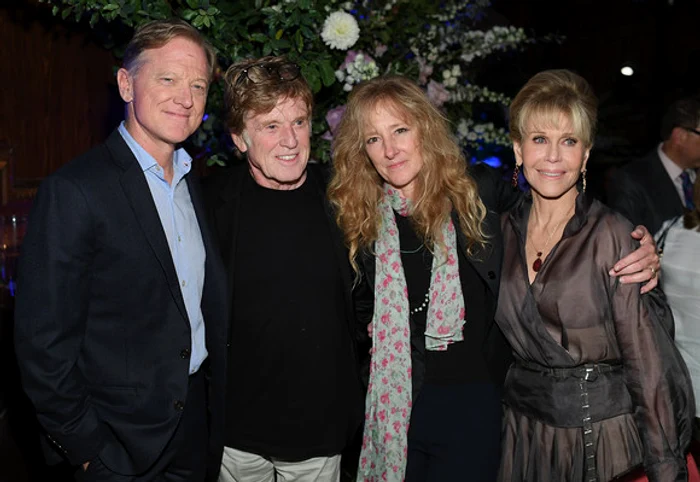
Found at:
(656, 377)
(625, 196)
(497, 194)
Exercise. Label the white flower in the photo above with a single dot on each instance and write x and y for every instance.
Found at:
(462, 128)
(340, 31)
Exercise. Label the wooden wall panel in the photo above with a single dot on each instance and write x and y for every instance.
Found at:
(58, 97)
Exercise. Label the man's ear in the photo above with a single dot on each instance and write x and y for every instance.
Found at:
(678, 135)
(239, 141)
(126, 85)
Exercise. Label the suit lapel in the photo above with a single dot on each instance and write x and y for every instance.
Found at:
(138, 193)
(339, 249)
(226, 219)
(668, 200)
(482, 259)
(214, 296)
(198, 204)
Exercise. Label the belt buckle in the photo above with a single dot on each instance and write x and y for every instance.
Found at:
(590, 373)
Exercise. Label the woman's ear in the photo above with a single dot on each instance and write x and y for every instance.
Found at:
(518, 151)
(585, 159)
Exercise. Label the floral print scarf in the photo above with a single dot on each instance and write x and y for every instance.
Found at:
(385, 439)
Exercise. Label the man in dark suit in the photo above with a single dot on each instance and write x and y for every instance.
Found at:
(659, 186)
(293, 395)
(120, 315)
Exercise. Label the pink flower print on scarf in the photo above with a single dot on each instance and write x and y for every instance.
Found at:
(389, 402)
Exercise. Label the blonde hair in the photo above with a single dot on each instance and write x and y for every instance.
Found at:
(442, 185)
(156, 33)
(548, 95)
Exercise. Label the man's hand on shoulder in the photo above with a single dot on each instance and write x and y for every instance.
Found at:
(641, 265)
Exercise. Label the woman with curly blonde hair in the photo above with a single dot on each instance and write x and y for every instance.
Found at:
(424, 239)
(425, 243)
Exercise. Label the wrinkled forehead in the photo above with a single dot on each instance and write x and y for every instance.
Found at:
(290, 108)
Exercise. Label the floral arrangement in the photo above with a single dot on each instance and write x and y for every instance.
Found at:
(339, 44)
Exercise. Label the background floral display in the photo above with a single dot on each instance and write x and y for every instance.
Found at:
(441, 45)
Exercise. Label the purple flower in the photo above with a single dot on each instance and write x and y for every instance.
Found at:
(380, 49)
(437, 93)
(350, 58)
(426, 70)
(333, 117)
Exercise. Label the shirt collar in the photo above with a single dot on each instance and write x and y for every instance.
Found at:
(182, 161)
(671, 167)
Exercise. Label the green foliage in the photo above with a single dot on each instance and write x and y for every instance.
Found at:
(418, 38)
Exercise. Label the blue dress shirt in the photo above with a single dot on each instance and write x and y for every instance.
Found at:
(181, 228)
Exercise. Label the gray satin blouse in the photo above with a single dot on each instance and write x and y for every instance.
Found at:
(598, 386)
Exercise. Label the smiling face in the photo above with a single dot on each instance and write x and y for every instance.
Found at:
(393, 147)
(552, 156)
(166, 95)
(278, 144)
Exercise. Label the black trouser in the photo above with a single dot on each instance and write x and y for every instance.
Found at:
(184, 457)
(455, 434)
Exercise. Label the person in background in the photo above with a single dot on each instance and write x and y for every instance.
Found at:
(659, 186)
(293, 395)
(679, 240)
(598, 387)
(424, 240)
(120, 311)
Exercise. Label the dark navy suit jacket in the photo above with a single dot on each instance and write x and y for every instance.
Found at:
(102, 334)
(643, 192)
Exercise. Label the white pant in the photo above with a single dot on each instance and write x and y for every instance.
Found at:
(239, 466)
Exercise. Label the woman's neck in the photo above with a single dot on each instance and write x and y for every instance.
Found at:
(548, 212)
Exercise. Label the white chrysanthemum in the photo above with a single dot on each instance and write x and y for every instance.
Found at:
(340, 31)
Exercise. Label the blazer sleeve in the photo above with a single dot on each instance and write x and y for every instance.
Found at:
(656, 377)
(363, 301)
(50, 317)
(363, 295)
(497, 194)
(628, 198)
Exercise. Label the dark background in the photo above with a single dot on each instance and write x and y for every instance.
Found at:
(59, 97)
(659, 39)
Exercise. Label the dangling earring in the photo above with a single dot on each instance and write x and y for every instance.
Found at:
(583, 176)
(514, 180)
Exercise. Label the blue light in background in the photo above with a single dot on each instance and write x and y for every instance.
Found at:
(492, 161)
(206, 116)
